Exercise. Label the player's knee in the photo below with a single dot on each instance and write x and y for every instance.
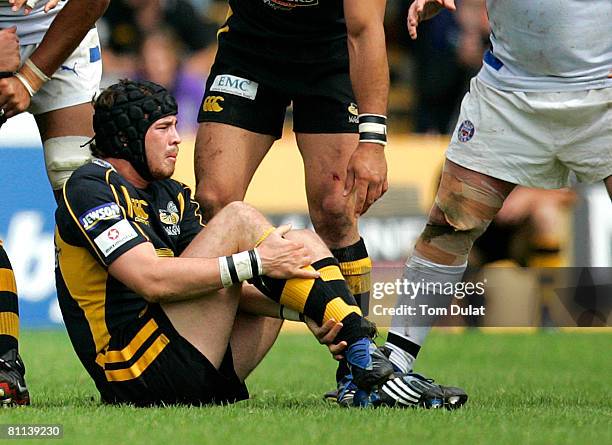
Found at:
(332, 218)
(461, 214)
(467, 205)
(311, 240)
(239, 213)
(212, 200)
(63, 155)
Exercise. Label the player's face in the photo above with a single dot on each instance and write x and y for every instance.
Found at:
(161, 146)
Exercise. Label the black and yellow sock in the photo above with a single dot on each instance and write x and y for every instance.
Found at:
(356, 267)
(321, 299)
(9, 312)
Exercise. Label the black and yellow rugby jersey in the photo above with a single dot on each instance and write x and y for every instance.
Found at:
(100, 217)
(289, 30)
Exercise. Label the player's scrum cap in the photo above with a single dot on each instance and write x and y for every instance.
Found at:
(121, 124)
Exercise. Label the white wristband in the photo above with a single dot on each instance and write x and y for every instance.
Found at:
(26, 84)
(240, 267)
(373, 129)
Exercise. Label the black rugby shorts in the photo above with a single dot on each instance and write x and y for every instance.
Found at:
(256, 98)
(180, 374)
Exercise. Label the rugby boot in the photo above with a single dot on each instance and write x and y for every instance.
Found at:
(369, 366)
(13, 390)
(413, 390)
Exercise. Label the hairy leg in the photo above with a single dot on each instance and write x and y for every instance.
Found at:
(226, 158)
(207, 322)
(325, 158)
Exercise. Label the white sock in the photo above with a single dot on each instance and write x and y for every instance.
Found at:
(407, 333)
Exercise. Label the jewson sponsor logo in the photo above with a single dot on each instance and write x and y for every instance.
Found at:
(105, 212)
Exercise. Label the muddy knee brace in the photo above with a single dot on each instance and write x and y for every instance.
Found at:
(468, 207)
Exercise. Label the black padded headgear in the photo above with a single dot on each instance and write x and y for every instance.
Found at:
(120, 129)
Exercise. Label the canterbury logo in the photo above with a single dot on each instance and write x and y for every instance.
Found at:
(211, 103)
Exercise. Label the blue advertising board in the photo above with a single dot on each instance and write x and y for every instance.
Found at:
(26, 228)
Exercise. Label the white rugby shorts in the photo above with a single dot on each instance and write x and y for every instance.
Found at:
(75, 82)
(534, 139)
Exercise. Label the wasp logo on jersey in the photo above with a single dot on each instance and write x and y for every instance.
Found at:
(104, 212)
(290, 4)
(238, 86)
(170, 217)
(211, 103)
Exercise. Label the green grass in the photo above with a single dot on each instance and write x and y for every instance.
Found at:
(548, 388)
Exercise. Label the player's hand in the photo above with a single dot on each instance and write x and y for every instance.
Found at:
(14, 98)
(28, 5)
(422, 10)
(9, 49)
(326, 335)
(282, 258)
(366, 176)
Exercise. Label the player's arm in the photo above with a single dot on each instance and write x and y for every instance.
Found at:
(421, 10)
(61, 39)
(164, 280)
(367, 168)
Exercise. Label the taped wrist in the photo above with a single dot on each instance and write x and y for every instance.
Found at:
(373, 128)
(31, 77)
(240, 267)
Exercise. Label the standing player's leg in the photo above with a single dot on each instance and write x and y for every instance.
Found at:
(13, 389)
(63, 110)
(226, 158)
(608, 182)
(466, 202)
(325, 159)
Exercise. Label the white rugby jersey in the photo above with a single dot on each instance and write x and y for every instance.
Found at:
(549, 45)
(31, 28)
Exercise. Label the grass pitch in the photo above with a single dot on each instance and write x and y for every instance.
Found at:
(548, 388)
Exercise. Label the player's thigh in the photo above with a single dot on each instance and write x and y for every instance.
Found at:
(76, 120)
(240, 117)
(226, 158)
(206, 322)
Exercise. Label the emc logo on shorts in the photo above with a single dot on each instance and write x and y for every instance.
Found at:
(238, 86)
